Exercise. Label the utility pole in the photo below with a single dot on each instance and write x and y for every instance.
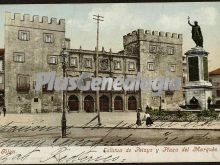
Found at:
(64, 58)
(97, 18)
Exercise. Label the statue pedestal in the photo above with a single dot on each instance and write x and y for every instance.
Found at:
(197, 88)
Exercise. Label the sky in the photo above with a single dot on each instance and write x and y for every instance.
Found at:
(123, 18)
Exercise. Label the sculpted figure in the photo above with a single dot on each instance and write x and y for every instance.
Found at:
(196, 33)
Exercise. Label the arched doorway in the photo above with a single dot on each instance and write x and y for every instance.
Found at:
(118, 103)
(104, 103)
(89, 104)
(132, 103)
(194, 103)
(73, 103)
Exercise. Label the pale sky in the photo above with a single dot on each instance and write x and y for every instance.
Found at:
(120, 19)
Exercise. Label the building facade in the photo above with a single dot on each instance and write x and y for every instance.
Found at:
(152, 54)
(214, 78)
(110, 65)
(33, 46)
(2, 77)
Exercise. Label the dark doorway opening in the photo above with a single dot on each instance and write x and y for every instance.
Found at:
(89, 104)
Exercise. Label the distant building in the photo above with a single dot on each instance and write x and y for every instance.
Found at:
(214, 78)
(33, 46)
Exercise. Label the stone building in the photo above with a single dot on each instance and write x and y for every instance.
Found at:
(159, 54)
(33, 46)
(110, 65)
(214, 78)
(2, 77)
(152, 54)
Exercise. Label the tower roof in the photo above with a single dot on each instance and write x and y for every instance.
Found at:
(215, 72)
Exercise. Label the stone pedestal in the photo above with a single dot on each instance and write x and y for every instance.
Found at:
(197, 88)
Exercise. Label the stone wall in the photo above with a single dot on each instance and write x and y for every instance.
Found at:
(215, 80)
(161, 60)
(36, 53)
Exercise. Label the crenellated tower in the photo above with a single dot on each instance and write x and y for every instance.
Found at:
(160, 54)
(32, 45)
(25, 20)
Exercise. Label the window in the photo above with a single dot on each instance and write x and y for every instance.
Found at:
(153, 49)
(117, 65)
(73, 61)
(23, 35)
(218, 93)
(1, 65)
(1, 79)
(150, 66)
(36, 100)
(172, 68)
(88, 62)
(23, 83)
(103, 64)
(170, 50)
(48, 37)
(52, 59)
(19, 57)
(131, 65)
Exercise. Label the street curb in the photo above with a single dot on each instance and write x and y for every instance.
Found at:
(198, 129)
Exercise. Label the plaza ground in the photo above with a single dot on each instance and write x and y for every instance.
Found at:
(117, 129)
(108, 119)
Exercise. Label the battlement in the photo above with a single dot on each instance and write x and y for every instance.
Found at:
(154, 36)
(35, 21)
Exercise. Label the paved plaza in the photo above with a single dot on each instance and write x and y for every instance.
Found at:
(108, 119)
(117, 128)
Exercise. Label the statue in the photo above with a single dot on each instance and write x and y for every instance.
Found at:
(196, 33)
